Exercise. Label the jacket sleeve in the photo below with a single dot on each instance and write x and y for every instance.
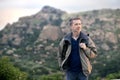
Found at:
(60, 49)
(91, 51)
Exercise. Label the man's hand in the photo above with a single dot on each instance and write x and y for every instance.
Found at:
(83, 46)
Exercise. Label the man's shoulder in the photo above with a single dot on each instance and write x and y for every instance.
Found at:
(67, 36)
(84, 35)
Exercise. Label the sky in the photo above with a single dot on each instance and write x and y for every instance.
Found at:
(11, 10)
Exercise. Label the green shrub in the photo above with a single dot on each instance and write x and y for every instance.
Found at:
(113, 76)
(9, 72)
(55, 76)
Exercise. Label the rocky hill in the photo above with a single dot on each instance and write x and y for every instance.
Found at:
(32, 42)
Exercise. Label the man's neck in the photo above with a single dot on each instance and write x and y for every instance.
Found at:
(75, 36)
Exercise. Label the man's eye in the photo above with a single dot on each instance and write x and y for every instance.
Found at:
(78, 24)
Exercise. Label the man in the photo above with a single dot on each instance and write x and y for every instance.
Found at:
(75, 50)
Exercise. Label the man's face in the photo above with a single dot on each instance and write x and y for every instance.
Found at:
(76, 26)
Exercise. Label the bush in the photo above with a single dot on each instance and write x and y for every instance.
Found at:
(55, 76)
(113, 76)
(9, 72)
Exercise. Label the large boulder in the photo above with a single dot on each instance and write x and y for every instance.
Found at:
(51, 33)
(110, 37)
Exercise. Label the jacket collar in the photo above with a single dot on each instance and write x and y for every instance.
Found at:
(69, 36)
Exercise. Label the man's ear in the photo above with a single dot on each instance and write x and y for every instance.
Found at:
(71, 28)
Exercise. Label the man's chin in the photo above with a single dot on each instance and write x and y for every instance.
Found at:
(76, 32)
